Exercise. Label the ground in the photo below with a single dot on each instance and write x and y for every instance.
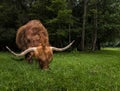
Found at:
(74, 71)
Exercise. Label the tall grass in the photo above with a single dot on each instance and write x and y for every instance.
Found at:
(75, 71)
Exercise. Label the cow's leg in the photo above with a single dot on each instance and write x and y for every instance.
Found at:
(28, 57)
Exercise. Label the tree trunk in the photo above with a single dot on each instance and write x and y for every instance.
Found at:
(94, 44)
(69, 33)
(83, 27)
(98, 44)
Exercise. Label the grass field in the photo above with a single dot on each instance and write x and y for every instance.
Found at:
(75, 71)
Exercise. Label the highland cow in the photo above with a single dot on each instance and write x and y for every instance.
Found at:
(33, 39)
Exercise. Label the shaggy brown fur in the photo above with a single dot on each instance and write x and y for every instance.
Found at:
(32, 34)
(44, 56)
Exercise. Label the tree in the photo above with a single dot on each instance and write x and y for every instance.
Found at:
(95, 27)
(61, 21)
(91, 24)
(83, 27)
(109, 20)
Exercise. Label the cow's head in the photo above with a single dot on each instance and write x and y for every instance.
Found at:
(42, 54)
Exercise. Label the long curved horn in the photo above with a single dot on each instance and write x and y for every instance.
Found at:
(62, 49)
(22, 53)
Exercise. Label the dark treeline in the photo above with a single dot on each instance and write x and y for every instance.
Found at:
(91, 23)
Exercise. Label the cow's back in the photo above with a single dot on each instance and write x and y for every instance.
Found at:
(32, 34)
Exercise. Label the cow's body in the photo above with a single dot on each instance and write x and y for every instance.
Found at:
(32, 34)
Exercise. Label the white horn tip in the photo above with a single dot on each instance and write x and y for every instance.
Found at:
(73, 41)
(7, 47)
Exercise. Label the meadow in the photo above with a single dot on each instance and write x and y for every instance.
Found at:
(72, 71)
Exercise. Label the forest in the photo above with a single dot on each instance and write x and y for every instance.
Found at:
(91, 23)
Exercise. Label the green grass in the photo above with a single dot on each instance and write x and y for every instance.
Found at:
(75, 71)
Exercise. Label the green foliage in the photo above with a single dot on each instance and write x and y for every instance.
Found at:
(63, 15)
(75, 71)
(4, 35)
(7, 16)
(56, 5)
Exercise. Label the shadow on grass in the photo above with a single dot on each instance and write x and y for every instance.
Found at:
(17, 59)
(109, 51)
(103, 51)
